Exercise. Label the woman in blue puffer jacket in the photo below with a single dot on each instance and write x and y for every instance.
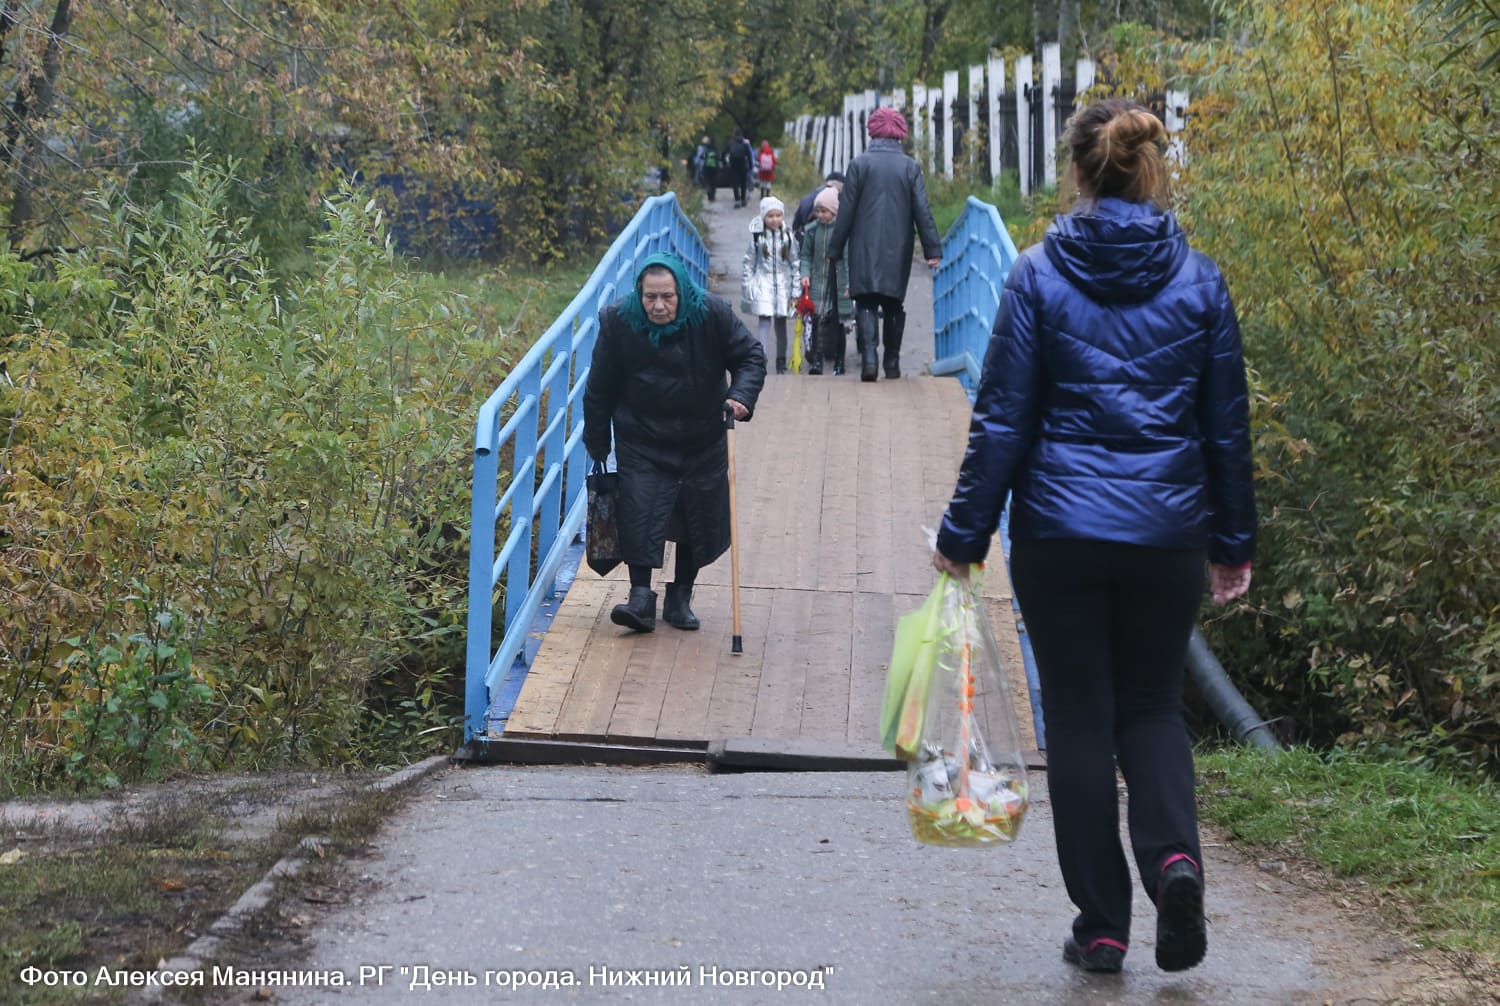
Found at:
(1113, 411)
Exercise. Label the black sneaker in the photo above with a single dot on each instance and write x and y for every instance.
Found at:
(1103, 955)
(1181, 937)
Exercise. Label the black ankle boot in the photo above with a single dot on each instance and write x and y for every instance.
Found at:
(867, 337)
(639, 613)
(674, 607)
(895, 327)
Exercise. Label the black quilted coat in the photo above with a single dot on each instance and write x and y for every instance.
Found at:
(666, 403)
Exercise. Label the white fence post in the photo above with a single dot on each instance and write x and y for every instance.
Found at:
(871, 102)
(915, 119)
(851, 114)
(1175, 121)
(933, 97)
(838, 139)
(976, 95)
(1083, 79)
(996, 89)
(1051, 85)
(1023, 122)
(950, 96)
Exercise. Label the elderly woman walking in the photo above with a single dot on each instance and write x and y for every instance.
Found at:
(884, 197)
(670, 360)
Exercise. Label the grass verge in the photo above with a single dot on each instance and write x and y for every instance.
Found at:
(1425, 847)
(125, 896)
(140, 890)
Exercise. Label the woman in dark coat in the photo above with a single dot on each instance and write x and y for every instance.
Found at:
(883, 198)
(659, 377)
(1113, 411)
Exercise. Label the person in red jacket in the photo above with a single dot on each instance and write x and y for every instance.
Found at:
(765, 168)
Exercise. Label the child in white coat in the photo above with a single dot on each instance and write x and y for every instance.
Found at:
(771, 278)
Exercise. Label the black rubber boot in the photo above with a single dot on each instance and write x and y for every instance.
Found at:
(867, 337)
(815, 350)
(840, 347)
(674, 607)
(895, 327)
(639, 613)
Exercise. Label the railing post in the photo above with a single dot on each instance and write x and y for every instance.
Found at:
(522, 503)
(481, 590)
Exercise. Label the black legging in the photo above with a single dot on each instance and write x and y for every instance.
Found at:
(1109, 624)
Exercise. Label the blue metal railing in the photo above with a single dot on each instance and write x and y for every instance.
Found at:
(537, 412)
(977, 256)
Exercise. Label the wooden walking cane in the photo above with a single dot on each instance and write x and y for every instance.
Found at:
(736, 644)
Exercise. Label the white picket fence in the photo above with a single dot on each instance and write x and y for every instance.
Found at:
(1015, 130)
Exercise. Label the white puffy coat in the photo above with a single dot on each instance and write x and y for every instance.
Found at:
(771, 279)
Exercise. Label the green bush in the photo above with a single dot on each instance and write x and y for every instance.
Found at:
(1346, 174)
(276, 464)
(138, 700)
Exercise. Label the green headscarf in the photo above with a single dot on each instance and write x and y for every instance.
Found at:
(690, 306)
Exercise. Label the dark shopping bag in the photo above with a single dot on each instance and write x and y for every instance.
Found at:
(602, 533)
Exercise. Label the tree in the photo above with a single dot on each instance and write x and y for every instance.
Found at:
(1345, 172)
(554, 108)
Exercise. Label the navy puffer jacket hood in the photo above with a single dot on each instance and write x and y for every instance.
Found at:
(1113, 405)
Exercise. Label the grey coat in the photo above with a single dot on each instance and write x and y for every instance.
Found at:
(884, 197)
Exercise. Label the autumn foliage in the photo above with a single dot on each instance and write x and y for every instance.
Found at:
(1344, 170)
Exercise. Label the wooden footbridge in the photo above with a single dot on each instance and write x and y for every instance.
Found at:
(836, 481)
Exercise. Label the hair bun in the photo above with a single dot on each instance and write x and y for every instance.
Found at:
(1132, 129)
(1118, 147)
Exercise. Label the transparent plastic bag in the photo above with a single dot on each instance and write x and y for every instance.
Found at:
(966, 776)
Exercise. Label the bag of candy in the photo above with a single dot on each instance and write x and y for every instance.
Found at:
(966, 775)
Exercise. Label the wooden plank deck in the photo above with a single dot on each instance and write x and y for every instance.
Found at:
(835, 481)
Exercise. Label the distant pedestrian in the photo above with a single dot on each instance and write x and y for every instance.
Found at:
(834, 180)
(668, 362)
(770, 277)
(706, 167)
(738, 157)
(765, 167)
(1113, 411)
(884, 196)
(827, 283)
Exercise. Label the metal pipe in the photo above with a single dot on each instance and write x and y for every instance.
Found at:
(1224, 699)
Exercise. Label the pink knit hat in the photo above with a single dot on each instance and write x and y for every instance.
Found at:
(827, 199)
(886, 123)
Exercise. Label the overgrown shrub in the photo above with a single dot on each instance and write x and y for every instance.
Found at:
(278, 466)
(1346, 174)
